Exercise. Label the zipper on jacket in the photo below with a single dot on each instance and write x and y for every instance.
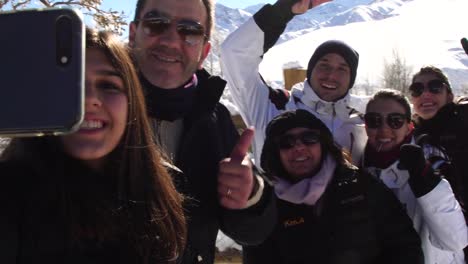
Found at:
(333, 118)
(351, 143)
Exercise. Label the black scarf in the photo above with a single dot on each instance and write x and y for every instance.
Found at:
(169, 104)
(383, 159)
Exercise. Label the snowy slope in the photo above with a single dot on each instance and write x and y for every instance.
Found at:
(422, 31)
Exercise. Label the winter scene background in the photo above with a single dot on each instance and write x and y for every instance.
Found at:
(421, 32)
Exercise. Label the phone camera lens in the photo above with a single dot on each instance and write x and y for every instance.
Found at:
(63, 40)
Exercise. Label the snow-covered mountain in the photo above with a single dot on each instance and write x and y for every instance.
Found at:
(421, 31)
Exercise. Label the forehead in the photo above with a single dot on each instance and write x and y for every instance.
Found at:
(96, 58)
(425, 77)
(180, 9)
(298, 130)
(334, 58)
(385, 106)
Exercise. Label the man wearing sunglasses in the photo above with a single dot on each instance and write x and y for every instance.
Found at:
(169, 41)
(331, 73)
(445, 121)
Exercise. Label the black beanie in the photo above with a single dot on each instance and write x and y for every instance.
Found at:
(292, 119)
(339, 47)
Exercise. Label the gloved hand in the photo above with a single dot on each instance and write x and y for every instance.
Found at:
(464, 43)
(279, 98)
(286, 4)
(422, 178)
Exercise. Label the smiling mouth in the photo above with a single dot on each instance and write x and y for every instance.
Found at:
(166, 58)
(91, 124)
(329, 86)
(427, 104)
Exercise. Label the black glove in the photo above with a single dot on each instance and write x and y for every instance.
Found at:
(464, 43)
(422, 177)
(283, 7)
(279, 98)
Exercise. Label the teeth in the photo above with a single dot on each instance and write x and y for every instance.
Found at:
(329, 86)
(300, 159)
(384, 140)
(166, 59)
(427, 104)
(91, 124)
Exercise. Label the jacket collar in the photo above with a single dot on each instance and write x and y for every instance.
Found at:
(392, 176)
(308, 97)
(209, 90)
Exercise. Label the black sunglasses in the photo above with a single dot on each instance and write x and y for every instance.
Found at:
(435, 87)
(308, 138)
(192, 32)
(375, 120)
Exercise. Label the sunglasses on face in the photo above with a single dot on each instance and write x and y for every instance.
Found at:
(375, 120)
(191, 32)
(307, 138)
(434, 87)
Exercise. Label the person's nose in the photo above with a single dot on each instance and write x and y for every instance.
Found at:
(426, 93)
(298, 144)
(170, 36)
(92, 97)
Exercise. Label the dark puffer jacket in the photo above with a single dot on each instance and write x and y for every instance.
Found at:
(357, 220)
(448, 129)
(209, 136)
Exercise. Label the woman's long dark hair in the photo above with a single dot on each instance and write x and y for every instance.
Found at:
(143, 192)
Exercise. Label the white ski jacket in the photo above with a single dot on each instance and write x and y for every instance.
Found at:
(437, 216)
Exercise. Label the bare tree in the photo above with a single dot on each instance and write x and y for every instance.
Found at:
(396, 73)
(105, 19)
(364, 87)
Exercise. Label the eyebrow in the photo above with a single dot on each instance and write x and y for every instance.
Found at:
(111, 73)
(154, 13)
(323, 59)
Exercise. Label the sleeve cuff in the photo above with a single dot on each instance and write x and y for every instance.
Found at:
(258, 195)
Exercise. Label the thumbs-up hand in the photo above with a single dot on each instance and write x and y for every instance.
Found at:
(464, 43)
(235, 175)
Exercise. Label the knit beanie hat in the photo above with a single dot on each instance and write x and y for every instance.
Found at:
(339, 47)
(292, 119)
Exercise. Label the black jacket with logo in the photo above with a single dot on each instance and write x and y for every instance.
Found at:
(357, 220)
(448, 130)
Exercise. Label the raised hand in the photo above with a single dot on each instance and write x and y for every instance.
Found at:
(464, 43)
(422, 178)
(235, 176)
(299, 6)
(412, 159)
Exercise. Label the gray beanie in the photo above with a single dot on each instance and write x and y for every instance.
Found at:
(339, 47)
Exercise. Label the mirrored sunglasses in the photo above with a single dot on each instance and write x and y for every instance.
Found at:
(394, 120)
(435, 87)
(191, 32)
(307, 138)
